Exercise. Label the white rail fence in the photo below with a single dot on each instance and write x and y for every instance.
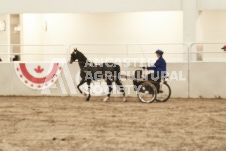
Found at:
(134, 50)
(208, 52)
(32, 52)
(174, 52)
(197, 60)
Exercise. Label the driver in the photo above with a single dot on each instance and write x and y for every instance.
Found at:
(159, 68)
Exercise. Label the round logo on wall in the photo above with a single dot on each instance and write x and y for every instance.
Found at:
(38, 75)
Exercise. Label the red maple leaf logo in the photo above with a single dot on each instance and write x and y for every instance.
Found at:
(39, 69)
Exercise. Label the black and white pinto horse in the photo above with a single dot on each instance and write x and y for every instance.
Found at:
(90, 71)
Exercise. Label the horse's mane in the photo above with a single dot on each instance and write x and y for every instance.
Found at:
(82, 59)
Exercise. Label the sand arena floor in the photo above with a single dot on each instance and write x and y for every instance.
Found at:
(71, 124)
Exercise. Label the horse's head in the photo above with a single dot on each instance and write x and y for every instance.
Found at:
(74, 55)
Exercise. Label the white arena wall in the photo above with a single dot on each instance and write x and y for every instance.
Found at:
(97, 6)
(206, 80)
(135, 27)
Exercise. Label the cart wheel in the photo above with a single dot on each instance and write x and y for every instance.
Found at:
(164, 94)
(147, 92)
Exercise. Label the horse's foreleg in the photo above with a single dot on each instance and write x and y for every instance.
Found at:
(109, 83)
(81, 83)
(119, 84)
(88, 83)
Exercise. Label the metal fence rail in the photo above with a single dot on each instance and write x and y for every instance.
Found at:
(126, 48)
(9, 50)
(188, 49)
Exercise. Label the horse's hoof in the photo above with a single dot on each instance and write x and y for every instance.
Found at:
(105, 99)
(124, 100)
(87, 99)
(83, 93)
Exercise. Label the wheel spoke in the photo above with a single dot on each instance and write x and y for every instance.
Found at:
(164, 94)
(147, 92)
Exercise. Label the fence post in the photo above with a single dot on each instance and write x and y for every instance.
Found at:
(189, 61)
(10, 53)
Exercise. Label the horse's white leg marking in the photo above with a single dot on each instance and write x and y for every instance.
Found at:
(105, 99)
(124, 99)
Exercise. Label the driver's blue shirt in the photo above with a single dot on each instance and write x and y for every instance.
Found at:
(159, 67)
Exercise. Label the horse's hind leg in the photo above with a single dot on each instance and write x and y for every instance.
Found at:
(88, 83)
(122, 90)
(109, 83)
